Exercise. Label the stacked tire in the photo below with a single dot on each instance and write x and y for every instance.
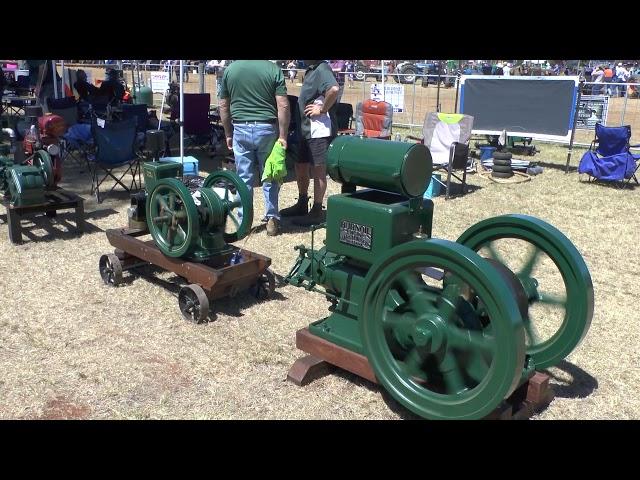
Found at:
(502, 165)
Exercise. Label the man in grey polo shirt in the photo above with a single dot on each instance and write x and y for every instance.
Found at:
(254, 110)
(316, 112)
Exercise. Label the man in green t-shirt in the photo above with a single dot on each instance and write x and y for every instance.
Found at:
(316, 113)
(254, 111)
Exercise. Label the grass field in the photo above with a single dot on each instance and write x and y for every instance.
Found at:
(71, 347)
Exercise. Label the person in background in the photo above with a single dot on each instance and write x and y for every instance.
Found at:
(83, 87)
(338, 68)
(499, 69)
(112, 88)
(254, 110)
(608, 77)
(316, 116)
(292, 70)
(222, 65)
(349, 68)
(622, 75)
(506, 70)
(597, 75)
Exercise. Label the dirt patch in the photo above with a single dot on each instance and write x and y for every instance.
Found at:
(62, 408)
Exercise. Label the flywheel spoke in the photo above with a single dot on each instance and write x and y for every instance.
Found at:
(530, 263)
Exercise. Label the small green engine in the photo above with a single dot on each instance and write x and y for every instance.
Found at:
(450, 329)
(25, 185)
(197, 225)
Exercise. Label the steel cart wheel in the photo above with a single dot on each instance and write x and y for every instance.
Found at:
(552, 275)
(451, 348)
(110, 269)
(193, 303)
(235, 196)
(265, 285)
(172, 217)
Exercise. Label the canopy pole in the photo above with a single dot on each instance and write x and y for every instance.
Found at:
(55, 81)
(383, 75)
(181, 117)
(575, 121)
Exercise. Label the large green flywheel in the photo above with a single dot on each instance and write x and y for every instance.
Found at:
(439, 332)
(237, 202)
(549, 271)
(173, 218)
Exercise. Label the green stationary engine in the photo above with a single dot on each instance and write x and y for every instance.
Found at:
(450, 329)
(197, 226)
(26, 184)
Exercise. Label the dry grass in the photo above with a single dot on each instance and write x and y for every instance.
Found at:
(70, 347)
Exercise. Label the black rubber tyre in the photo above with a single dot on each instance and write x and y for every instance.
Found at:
(502, 168)
(408, 75)
(502, 155)
(502, 163)
(501, 174)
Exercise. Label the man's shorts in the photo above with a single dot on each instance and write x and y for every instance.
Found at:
(314, 150)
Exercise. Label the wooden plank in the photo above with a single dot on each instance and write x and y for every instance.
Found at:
(307, 369)
(217, 282)
(529, 398)
(334, 354)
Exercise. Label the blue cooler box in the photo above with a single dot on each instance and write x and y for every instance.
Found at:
(190, 164)
(433, 190)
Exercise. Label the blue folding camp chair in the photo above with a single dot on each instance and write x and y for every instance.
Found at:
(609, 159)
(74, 148)
(141, 114)
(115, 147)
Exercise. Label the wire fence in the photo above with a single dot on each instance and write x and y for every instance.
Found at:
(413, 95)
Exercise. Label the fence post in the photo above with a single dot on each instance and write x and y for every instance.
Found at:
(201, 74)
(575, 121)
(624, 107)
(413, 107)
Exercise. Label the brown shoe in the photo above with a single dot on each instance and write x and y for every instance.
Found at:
(315, 217)
(273, 227)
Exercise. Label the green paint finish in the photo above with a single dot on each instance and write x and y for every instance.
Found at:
(577, 302)
(182, 228)
(397, 167)
(339, 329)
(364, 225)
(444, 329)
(26, 185)
(156, 171)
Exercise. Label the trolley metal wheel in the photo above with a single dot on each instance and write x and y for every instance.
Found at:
(110, 269)
(193, 303)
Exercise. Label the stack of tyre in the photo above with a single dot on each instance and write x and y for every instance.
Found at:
(502, 165)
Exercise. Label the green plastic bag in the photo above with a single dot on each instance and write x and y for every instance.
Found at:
(275, 168)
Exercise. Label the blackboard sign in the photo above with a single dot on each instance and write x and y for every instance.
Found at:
(539, 107)
(592, 109)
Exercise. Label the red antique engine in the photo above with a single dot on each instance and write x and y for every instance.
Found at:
(50, 129)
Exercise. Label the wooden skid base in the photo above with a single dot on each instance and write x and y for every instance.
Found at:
(216, 276)
(58, 199)
(324, 356)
